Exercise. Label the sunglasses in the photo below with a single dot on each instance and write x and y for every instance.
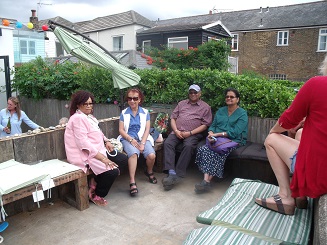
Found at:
(88, 104)
(193, 92)
(133, 98)
(230, 97)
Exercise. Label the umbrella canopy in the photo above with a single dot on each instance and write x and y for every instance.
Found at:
(121, 75)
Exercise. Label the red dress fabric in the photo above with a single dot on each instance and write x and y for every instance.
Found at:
(310, 175)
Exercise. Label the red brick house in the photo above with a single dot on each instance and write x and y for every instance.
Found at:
(286, 42)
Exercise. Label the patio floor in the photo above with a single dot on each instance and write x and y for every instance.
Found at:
(153, 217)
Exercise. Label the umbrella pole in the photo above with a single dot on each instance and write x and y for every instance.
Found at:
(121, 100)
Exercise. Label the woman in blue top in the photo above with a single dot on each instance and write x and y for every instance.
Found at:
(230, 121)
(17, 116)
(134, 129)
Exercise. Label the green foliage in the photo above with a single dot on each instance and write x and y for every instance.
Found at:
(261, 97)
(212, 54)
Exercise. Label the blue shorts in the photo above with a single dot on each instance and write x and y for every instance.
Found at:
(293, 159)
(130, 149)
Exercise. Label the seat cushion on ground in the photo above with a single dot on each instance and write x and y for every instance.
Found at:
(214, 235)
(237, 207)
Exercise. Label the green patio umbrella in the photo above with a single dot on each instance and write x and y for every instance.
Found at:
(121, 75)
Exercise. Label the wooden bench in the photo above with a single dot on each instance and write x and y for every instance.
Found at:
(79, 201)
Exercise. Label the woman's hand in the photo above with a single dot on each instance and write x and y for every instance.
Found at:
(109, 146)
(7, 130)
(109, 164)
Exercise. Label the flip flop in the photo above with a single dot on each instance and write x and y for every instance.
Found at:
(278, 206)
(99, 201)
(3, 226)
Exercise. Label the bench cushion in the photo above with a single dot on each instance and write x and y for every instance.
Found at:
(237, 208)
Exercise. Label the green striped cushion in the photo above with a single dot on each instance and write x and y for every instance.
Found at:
(214, 235)
(237, 207)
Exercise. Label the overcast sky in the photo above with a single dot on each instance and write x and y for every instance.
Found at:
(81, 10)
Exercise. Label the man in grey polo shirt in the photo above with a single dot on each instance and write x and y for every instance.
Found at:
(188, 121)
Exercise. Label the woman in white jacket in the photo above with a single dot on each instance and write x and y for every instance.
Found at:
(134, 129)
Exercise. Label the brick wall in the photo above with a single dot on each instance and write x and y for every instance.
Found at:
(298, 61)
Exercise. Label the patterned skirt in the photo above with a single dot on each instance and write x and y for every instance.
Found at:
(210, 162)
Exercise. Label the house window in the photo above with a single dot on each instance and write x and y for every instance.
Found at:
(282, 38)
(146, 45)
(322, 42)
(23, 46)
(235, 42)
(27, 47)
(178, 42)
(31, 47)
(118, 43)
(277, 76)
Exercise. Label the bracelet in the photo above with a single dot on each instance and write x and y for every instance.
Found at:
(142, 143)
(103, 159)
(130, 141)
(223, 133)
(191, 132)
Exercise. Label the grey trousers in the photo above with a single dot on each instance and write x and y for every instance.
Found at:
(188, 149)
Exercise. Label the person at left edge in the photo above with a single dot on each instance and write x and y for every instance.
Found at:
(17, 116)
(87, 147)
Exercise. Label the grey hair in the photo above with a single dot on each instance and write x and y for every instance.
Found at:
(323, 67)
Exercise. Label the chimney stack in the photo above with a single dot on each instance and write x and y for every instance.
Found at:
(210, 11)
(34, 20)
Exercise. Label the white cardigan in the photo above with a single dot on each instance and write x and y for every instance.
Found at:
(127, 118)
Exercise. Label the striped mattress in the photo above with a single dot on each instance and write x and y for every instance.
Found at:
(237, 219)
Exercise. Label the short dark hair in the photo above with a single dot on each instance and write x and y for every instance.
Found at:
(79, 98)
(235, 91)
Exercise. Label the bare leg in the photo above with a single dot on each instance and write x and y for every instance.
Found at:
(132, 164)
(150, 159)
(280, 149)
(207, 177)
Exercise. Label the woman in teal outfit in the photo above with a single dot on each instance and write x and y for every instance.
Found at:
(230, 121)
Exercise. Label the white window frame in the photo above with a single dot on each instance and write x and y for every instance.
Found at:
(176, 42)
(27, 47)
(145, 44)
(322, 40)
(121, 44)
(282, 38)
(31, 47)
(235, 42)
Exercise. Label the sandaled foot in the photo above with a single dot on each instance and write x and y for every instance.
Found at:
(277, 206)
(92, 187)
(99, 201)
(133, 189)
(152, 179)
(301, 202)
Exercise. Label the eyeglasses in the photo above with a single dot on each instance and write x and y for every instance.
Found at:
(192, 92)
(230, 97)
(132, 98)
(88, 104)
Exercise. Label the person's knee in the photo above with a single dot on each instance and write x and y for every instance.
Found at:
(271, 139)
(151, 157)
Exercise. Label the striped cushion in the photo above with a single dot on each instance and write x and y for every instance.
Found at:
(214, 235)
(237, 207)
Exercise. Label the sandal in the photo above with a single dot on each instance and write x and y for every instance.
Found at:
(278, 206)
(99, 201)
(92, 188)
(152, 179)
(133, 192)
